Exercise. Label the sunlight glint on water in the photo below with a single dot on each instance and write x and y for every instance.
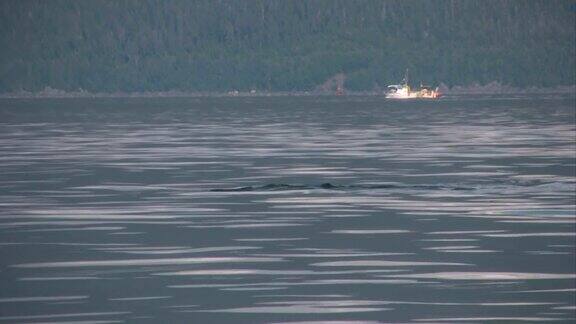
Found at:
(251, 210)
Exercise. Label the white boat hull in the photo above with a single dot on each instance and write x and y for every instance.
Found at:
(401, 96)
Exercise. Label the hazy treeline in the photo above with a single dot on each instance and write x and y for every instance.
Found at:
(282, 45)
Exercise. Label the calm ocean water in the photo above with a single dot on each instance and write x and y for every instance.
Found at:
(273, 210)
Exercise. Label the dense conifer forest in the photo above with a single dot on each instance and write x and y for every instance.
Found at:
(282, 45)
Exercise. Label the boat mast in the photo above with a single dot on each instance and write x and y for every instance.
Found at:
(406, 77)
(406, 81)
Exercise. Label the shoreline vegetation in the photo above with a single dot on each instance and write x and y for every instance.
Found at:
(492, 88)
(216, 47)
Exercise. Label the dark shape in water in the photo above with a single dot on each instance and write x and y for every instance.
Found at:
(330, 186)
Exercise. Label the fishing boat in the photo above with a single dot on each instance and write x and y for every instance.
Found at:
(403, 91)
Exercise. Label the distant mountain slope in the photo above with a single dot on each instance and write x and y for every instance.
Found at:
(279, 45)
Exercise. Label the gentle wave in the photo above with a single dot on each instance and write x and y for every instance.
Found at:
(242, 210)
(143, 262)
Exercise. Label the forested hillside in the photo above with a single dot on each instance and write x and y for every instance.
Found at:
(282, 45)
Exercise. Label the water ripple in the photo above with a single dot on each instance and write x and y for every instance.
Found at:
(312, 209)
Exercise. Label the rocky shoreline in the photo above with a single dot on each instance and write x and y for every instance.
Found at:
(492, 88)
(496, 87)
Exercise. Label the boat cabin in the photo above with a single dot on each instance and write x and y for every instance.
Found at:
(393, 88)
